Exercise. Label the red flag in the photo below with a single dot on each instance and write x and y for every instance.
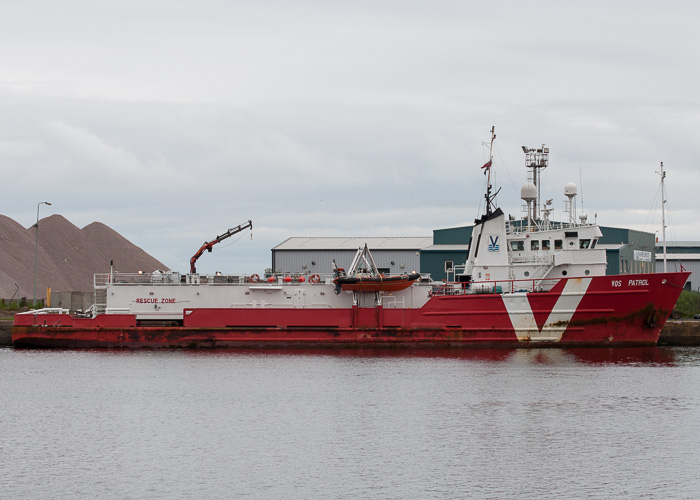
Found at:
(487, 165)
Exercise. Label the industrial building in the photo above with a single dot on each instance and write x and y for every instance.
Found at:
(627, 250)
(392, 255)
(681, 255)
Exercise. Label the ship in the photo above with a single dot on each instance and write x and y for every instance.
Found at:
(530, 282)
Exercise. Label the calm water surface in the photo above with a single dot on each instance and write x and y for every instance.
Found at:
(549, 423)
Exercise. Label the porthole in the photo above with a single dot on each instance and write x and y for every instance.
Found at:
(587, 272)
(564, 273)
(527, 273)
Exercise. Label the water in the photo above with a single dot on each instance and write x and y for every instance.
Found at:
(541, 423)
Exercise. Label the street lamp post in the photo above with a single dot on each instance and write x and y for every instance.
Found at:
(36, 244)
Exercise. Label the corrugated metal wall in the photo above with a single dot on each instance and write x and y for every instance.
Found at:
(670, 248)
(433, 262)
(452, 236)
(613, 258)
(673, 265)
(624, 260)
(614, 235)
(321, 261)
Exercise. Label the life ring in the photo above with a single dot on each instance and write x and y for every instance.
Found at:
(254, 278)
(314, 278)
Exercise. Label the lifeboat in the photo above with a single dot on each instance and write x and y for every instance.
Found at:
(376, 283)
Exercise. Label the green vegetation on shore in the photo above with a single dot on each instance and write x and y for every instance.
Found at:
(688, 304)
(16, 305)
(8, 308)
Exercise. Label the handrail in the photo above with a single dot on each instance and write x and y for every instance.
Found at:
(46, 310)
(102, 280)
(537, 227)
(497, 286)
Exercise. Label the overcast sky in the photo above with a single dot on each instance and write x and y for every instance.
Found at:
(171, 121)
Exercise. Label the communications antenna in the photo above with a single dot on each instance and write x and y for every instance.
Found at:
(662, 173)
(536, 160)
(487, 166)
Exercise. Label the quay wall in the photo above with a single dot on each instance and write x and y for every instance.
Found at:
(680, 332)
(5, 332)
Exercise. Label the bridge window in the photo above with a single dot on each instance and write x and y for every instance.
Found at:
(584, 243)
(517, 246)
(558, 244)
(545, 244)
(534, 245)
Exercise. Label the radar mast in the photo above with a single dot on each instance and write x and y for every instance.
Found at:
(536, 160)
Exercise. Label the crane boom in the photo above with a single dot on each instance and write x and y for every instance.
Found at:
(209, 244)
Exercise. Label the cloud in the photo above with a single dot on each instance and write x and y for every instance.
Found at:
(187, 118)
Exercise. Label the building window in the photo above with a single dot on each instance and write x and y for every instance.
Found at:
(449, 266)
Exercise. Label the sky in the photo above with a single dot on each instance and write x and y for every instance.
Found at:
(172, 121)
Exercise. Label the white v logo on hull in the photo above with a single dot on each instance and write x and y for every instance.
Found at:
(523, 319)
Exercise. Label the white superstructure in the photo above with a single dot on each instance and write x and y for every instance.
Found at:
(533, 248)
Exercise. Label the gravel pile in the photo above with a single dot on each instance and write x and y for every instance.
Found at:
(68, 257)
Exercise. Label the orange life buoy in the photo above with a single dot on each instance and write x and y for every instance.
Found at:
(314, 278)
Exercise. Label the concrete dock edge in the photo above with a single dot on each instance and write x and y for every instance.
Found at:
(5, 332)
(682, 332)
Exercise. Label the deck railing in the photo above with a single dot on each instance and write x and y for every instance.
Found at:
(169, 279)
(496, 286)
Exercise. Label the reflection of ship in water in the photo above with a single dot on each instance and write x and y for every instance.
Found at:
(545, 356)
(398, 352)
(645, 355)
(631, 356)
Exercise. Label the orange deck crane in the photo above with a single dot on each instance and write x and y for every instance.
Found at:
(209, 244)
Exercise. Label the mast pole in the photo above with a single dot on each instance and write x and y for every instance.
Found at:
(488, 177)
(663, 211)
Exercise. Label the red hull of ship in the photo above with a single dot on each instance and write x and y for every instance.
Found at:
(620, 314)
